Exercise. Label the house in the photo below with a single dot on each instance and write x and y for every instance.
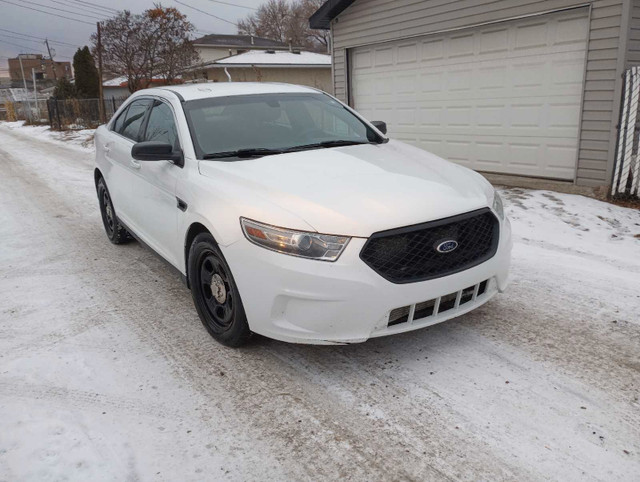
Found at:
(294, 67)
(528, 88)
(215, 46)
(44, 68)
(118, 87)
(115, 88)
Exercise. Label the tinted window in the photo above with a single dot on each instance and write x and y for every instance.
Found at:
(161, 126)
(117, 125)
(133, 119)
(272, 121)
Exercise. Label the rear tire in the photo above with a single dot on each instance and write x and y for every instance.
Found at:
(116, 233)
(215, 293)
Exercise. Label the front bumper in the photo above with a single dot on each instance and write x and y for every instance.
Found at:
(307, 301)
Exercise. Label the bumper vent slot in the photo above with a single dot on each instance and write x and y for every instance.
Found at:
(432, 308)
(411, 254)
(424, 309)
(447, 302)
(399, 315)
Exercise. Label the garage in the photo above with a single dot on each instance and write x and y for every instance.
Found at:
(505, 97)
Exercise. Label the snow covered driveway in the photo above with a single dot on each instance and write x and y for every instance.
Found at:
(107, 374)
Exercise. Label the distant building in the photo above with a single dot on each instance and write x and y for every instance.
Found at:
(118, 87)
(214, 47)
(44, 68)
(292, 67)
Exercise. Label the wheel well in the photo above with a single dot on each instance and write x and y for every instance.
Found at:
(97, 175)
(194, 230)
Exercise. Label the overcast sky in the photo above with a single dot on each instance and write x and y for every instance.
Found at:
(18, 22)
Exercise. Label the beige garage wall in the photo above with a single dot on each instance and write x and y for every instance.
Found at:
(320, 78)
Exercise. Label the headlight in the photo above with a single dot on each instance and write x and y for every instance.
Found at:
(497, 205)
(295, 243)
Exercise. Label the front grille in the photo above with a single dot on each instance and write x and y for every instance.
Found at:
(410, 254)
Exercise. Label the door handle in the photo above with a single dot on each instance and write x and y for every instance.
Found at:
(107, 148)
(135, 164)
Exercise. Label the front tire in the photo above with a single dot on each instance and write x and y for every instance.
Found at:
(215, 293)
(116, 233)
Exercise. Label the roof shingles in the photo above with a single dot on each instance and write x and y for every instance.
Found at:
(241, 41)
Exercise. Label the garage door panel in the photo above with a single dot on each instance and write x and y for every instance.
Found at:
(383, 57)
(526, 155)
(364, 63)
(494, 41)
(531, 36)
(407, 53)
(501, 98)
(553, 75)
(531, 116)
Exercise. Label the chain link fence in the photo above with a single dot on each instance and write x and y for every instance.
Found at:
(12, 111)
(61, 114)
(67, 114)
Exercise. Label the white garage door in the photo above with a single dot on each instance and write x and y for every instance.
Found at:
(499, 98)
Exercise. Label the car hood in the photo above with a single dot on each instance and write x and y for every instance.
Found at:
(356, 190)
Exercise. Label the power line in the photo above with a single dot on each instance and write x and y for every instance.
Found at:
(203, 12)
(48, 13)
(60, 9)
(20, 38)
(39, 38)
(25, 40)
(233, 4)
(17, 45)
(80, 9)
(89, 4)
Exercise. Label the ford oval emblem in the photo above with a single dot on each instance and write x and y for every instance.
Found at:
(447, 246)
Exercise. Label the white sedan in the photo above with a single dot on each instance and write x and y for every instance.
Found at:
(291, 216)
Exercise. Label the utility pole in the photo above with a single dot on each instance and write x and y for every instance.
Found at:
(35, 91)
(53, 64)
(24, 81)
(100, 92)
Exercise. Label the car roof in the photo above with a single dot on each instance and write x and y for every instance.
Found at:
(224, 89)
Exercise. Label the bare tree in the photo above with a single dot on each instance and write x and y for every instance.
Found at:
(142, 47)
(318, 39)
(122, 51)
(167, 38)
(286, 22)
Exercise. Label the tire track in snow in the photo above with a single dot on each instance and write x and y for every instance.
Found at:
(269, 386)
(358, 448)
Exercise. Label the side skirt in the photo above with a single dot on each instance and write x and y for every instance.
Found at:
(183, 278)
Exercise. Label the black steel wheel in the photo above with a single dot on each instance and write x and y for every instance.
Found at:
(215, 293)
(116, 233)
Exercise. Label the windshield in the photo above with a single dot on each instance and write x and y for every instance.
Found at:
(261, 124)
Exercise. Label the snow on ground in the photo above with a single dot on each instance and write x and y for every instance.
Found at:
(81, 139)
(107, 374)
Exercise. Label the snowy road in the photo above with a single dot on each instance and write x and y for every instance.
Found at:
(106, 372)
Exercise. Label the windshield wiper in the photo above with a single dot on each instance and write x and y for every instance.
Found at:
(244, 153)
(262, 151)
(332, 143)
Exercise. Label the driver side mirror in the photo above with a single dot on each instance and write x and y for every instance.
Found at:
(156, 151)
(380, 125)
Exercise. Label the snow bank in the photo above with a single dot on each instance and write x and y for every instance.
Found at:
(78, 139)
